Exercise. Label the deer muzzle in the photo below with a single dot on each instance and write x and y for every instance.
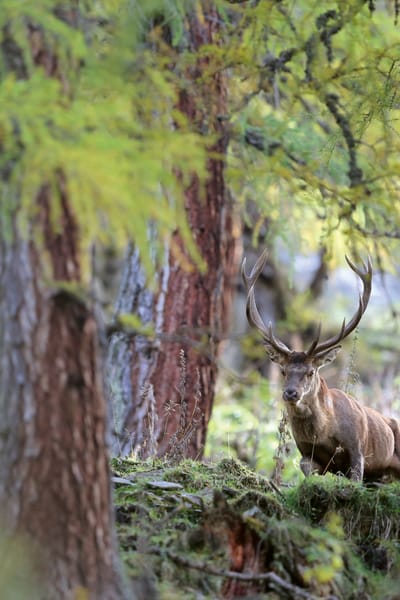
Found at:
(290, 394)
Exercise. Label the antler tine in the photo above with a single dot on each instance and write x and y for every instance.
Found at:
(275, 342)
(253, 315)
(250, 280)
(314, 344)
(362, 273)
(252, 312)
(365, 274)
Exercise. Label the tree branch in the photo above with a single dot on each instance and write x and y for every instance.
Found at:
(203, 566)
(355, 173)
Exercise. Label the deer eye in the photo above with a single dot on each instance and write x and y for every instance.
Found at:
(283, 371)
(310, 373)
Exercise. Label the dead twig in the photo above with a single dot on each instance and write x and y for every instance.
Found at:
(269, 576)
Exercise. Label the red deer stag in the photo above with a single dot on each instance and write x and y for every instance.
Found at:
(331, 429)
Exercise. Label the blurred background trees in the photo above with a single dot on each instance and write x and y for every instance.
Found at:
(162, 385)
(310, 123)
(146, 148)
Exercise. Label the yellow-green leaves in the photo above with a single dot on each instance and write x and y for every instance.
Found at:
(106, 120)
(315, 138)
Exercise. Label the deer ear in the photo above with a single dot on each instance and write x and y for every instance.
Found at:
(274, 355)
(326, 357)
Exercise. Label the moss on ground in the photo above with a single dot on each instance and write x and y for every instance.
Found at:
(183, 527)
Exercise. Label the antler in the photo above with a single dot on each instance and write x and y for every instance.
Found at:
(365, 274)
(252, 312)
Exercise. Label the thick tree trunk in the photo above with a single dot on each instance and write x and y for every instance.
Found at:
(54, 473)
(162, 389)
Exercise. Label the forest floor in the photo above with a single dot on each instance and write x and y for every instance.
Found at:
(197, 530)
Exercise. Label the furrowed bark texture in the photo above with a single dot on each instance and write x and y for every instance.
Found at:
(54, 473)
(162, 390)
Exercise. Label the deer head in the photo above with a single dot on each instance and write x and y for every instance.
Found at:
(300, 369)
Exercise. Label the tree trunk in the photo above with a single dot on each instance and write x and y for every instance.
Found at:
(55, 493)
(54, 474)
(162, 388)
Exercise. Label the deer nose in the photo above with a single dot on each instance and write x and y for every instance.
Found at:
(290, 394)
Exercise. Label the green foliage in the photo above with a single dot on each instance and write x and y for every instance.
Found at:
(107, 122)
(315, 86)
(318, 553)
(61, 39)
(315, 119)
(245, 424)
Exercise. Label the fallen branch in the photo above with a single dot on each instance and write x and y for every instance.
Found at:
(270, 576)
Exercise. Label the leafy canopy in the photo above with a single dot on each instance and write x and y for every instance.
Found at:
(313, 116)
(92, 101)
(316, 122)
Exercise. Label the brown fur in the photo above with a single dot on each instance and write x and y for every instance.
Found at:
(336, 433)
(332, 430)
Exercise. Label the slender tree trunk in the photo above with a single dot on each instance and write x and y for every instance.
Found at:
(54, 473)
(162, 389)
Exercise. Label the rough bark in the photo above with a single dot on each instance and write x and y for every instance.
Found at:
(54, 473)
(55, 491)
(162, 389)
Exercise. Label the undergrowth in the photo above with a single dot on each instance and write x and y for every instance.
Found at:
(190, 529)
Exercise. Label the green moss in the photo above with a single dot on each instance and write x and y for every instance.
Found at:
(327, 535)
(367, 511)
(265, 503)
